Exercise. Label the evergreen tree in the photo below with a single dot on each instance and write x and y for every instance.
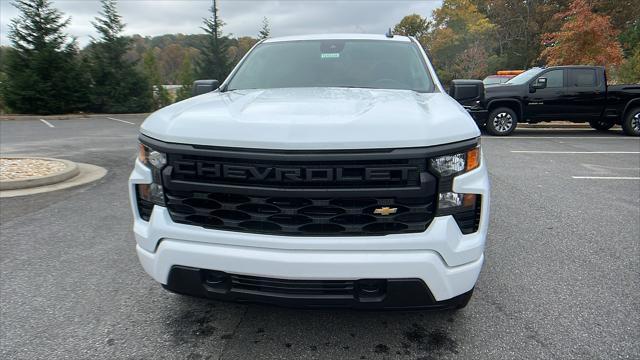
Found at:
(186, 78)
(42, 72)
(214, 63)
(161, 96)
(4, 51)
(265, 32)
(118, 86)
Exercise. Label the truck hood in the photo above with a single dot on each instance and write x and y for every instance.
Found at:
(313, 119)
(503, 90)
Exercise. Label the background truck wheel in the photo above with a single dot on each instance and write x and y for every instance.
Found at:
(601, 125)
(631, 123)
(502, 122)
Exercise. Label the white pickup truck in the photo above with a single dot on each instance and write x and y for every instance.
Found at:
(325, 171)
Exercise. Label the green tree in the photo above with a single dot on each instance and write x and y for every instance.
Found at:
(42, 70)
(413, 25)
(161, 96)
(239, 49)
(265, 31)
(186, 78)
(169, 61)
(518, 27)
(458, 26)
(4, 51)
(214, 63)
(622, 13)
(629, 70)
(118, 86)
(630, 38)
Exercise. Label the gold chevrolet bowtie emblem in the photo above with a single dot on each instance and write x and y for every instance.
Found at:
(384, 211)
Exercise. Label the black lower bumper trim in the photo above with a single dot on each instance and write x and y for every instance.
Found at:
(356, 294)
(479, 116)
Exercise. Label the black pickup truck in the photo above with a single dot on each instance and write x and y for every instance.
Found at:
(569, 93)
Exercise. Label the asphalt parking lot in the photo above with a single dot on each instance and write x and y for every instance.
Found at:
(561, 278)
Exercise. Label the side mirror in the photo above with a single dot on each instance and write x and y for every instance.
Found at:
(540, 83)
(467, 91)
(204, 86)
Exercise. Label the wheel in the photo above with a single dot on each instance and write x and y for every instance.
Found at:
(502, 122)
(463, 300)
(631, 123)
(601, 125)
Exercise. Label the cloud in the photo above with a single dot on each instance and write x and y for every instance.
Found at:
(242, 17)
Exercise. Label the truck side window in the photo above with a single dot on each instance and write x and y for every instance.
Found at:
(582, 78)
(555, 78)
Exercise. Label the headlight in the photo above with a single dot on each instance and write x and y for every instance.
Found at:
(456, 164)
(151, 157)
(449, 200)
(463, 207)
(152, 193)
(156, 161)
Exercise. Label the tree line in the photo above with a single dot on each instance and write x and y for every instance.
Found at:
(45, 72)
(475, 38)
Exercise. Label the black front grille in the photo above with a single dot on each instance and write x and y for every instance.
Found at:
(296, 192)
(300, 215)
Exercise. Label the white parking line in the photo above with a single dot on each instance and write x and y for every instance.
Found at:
(124, 121)
(561, 137)
(47, 123)
(607, 177)
(554, 129)
(573, 152)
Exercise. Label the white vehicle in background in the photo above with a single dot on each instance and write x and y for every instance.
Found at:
(326, 170)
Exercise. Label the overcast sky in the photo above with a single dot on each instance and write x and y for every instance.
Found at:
(243, 17)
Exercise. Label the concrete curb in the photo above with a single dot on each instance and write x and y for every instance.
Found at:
(71, 170)
(87, 173)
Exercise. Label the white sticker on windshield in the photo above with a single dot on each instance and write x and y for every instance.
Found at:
(330, 55)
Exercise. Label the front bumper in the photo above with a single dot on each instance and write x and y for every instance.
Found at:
(359, 294)
(446, 261)
(443, 282)
(479, 115)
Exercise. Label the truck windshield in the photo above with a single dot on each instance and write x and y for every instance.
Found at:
(334, 63)
(525, 76)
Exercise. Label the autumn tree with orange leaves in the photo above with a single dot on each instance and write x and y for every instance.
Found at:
(585, 38)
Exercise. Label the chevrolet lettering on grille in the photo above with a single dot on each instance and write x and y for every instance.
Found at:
(210, 170)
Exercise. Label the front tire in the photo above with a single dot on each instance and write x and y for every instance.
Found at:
(502, 122)
(631, 123)
(600, 125)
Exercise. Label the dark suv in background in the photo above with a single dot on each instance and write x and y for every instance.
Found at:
(569, 93)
